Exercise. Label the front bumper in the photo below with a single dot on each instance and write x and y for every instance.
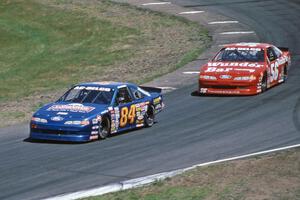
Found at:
(42, 132)
(229, 87)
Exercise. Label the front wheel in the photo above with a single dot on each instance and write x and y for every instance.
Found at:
(104, 128)
(149, 116)
(264, 83)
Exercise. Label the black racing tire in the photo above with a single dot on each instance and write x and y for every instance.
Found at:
(149, 116)
(104, 128)
(285, 74)
(264, 83)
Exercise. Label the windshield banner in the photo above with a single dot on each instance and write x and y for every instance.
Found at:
(74, 107)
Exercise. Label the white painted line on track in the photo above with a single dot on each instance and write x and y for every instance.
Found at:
(167, 88)
(192, 72)
(191, 12)
(223, 22)
(237, 32)
(138, 182)
(87, 193)
(155, 3)
(248, 155)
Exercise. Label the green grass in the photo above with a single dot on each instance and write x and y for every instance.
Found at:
(166, 193)
(48, 45)
(274, 176)
(45, 48)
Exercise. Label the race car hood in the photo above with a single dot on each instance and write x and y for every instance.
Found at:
(64, 111)
(232, 68)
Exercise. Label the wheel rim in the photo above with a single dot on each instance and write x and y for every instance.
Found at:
(150, 120)
(264, 83)
(150, 117)
(103, 128)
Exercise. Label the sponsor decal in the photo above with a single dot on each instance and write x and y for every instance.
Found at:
(113, 128)
(234, 64)
(203, 90)
(93, 137)
(140, 117)
(74, 107)
(110, 108)
(94, 132)
(115, 115)
(249, 70)
(215, 69)
(62, 113)
(57, 118)
(157, 100)
(225, 77)
(244, 48)
(95, 127)
(225, 91)
(158, 107)
(103, 89)
(139, 125)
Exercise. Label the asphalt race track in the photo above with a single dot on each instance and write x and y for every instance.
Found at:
(191, 130)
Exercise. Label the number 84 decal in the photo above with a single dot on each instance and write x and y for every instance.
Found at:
(127, 116)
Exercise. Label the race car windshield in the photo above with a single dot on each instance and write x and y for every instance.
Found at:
(82, 94)
(240, 55)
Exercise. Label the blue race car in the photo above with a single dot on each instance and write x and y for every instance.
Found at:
(90, 111)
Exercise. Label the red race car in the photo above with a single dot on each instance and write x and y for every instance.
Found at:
(244, 69)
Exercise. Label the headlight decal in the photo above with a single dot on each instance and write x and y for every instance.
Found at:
(37, 119)
(82, 123)
(206, 77)
(245, 78)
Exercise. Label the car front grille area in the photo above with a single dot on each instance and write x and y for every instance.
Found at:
(54, 132)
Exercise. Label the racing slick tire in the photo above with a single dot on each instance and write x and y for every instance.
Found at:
(285, 73)
(264, 83)
(149, 117)
(104, 128)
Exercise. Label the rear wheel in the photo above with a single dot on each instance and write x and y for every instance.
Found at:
(149, 116)
(264, 83)
(285, 73)
(104, 128)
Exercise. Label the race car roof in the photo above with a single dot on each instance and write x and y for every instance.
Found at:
(108, 84)
(248, 45)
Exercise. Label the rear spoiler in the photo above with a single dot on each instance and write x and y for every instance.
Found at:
(283, 49)
(151, 89)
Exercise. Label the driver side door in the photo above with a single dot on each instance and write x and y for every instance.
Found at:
(273, 67)
(127, 110)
